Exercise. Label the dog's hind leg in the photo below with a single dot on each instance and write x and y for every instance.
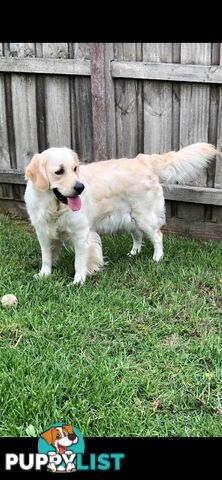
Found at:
(156, 237)
(137, 236)
(81, 253)
(95, 260)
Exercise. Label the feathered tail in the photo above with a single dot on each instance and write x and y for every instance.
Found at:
(183, 165)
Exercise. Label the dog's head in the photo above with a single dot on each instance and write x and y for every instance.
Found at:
(57, 169)
(60, 437)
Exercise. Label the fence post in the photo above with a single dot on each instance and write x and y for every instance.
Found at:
(218, 166)
(103, 109)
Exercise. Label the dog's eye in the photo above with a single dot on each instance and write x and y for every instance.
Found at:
(58, 435)
(65, 433)
(75, 169)
(60, 171)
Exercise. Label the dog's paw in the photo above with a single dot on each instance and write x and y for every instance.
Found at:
(134, 251)
(157, 256)
(41, 274)
(70, 467)
(51, 468)
(78, 279)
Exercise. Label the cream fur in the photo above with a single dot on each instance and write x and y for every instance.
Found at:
(119, 195)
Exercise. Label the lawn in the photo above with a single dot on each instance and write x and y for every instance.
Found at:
(135, 351)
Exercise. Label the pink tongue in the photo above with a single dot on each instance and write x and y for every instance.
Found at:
(74, 203)
(61, 448)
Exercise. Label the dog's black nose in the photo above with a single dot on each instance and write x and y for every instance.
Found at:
(79, 187)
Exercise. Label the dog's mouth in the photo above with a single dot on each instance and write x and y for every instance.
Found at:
(61, 448)
(73, 202)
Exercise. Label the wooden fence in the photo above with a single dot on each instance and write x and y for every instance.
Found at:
(110, 100)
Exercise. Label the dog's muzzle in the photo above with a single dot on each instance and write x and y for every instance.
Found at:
(60, 197)
(78, 189)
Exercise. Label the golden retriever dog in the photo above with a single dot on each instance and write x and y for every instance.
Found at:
(69, 202)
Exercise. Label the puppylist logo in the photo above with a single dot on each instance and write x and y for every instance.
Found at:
(60, 449)
(61, 444)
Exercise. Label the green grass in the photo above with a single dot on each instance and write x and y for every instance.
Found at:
(136, 351)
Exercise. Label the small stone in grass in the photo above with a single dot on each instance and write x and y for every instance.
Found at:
(9, 301)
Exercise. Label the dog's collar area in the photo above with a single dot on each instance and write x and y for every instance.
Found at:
(60, 197)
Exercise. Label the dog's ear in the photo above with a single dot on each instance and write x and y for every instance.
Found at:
(48, 436)
(68, 428)
(36, 172)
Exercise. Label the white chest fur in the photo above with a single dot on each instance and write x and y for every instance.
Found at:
(49, 215)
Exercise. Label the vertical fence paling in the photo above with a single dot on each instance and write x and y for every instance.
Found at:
(98, 101)
(218, 172)
(103, 114)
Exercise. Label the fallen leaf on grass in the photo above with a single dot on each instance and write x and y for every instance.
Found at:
(170, 367)
(155, 405)
(171, 341)
(18, 341)
(219, 411)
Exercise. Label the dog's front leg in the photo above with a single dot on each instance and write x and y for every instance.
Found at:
(46, 250)
(81, 254)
